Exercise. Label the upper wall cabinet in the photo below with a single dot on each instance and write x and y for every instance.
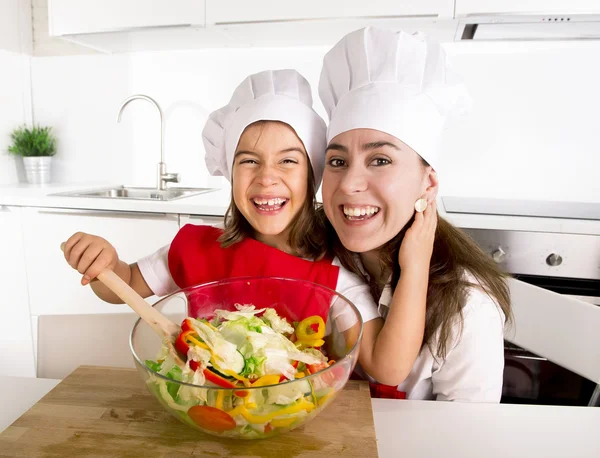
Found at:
(69, 17)
(466, 7)
(131, 25)
(239, 11)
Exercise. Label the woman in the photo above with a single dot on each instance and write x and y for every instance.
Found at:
(389, 96)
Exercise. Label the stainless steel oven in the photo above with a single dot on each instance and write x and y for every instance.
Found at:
(567, 264)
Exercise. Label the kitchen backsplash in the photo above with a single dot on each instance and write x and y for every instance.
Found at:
(532, 134)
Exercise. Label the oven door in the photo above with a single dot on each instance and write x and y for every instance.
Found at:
(552, 354)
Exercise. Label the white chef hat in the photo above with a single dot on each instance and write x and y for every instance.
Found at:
(393, 82)
(274, 95)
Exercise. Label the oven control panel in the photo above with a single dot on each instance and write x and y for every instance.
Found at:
(542, 253)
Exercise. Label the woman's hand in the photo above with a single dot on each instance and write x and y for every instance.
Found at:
(89, 255)
(417, 245)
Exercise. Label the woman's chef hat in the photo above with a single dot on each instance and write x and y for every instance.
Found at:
(275, 95)
(393, 82)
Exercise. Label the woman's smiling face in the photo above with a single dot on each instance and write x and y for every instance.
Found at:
(370, 185)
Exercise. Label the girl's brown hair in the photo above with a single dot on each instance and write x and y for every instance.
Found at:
(454, 255)
(307, 235)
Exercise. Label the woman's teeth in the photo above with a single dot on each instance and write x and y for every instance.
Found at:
(270, 204)
(362, 212)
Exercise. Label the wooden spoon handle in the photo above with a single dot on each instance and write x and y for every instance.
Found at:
(160, 323)
(156, 320)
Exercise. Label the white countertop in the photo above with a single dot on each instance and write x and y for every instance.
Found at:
(426, 428)
(212, 203)
(215, 204)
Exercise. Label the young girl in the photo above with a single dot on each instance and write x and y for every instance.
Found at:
(270, 144)
(389, 96)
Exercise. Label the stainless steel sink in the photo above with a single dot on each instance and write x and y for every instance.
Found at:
(125, 192)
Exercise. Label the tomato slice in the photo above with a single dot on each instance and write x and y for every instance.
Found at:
(211, 418)
(331, 376)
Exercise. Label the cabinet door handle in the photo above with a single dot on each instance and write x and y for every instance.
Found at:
(116, 213)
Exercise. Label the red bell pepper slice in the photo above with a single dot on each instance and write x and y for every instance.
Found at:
(224, 383)
(186, 325)
(180, 343)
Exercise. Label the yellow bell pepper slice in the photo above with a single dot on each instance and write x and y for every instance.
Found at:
(306, 324)
(219, 401)
(310, 343)
(197, 342)
(301, 405)
(282, 422)
(267, 380)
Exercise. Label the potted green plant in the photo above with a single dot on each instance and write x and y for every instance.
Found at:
(36, 146)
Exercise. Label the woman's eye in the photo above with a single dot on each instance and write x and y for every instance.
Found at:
(289, 161)
(378, 162)
(336, 162)
(247, 161)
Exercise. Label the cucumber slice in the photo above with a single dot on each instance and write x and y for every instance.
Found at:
(238, 363)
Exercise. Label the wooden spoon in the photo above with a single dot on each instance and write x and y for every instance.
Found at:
(165, 328)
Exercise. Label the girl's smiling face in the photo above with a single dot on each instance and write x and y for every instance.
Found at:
(370, 185)
(270, 180)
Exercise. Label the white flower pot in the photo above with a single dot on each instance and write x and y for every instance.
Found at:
(38, 169)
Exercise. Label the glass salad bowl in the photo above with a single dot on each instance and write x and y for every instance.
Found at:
(264, 355)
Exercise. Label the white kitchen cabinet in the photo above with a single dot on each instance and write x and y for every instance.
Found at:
(114, 26)
(200, 220)
(465, 7)
(16, 343)
(239, 11)
(54, 287)
(69, 17)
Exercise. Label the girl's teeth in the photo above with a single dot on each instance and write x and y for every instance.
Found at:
(270, 202)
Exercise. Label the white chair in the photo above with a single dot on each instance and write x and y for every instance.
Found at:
(67, 341)
(563, 330)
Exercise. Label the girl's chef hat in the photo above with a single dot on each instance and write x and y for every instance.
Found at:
(394, 82)
(275, 95)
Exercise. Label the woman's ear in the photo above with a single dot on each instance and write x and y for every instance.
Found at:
(430, 184)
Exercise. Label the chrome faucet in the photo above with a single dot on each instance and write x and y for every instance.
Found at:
(162, 177)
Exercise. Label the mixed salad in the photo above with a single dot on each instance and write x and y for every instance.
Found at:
(254, 353)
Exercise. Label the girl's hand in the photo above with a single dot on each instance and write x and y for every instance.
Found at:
(89, 255)
(417, 245)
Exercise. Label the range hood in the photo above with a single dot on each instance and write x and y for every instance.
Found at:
(535, 26)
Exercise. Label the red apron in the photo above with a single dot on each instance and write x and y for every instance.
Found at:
(196, 257)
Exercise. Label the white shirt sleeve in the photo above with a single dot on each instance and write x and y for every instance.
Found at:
(474, 366)
(354, 288)
(155, 270)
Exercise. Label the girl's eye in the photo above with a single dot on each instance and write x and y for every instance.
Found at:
(289, 161)
(380, 161)
(247, 161)
(336, 162)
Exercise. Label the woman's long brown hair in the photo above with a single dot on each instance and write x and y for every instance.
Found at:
(454, 255)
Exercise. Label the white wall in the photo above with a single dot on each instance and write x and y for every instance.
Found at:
(15, 94)
(80, 95)
(533, 133)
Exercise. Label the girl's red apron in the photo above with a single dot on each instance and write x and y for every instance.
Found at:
(196, 257)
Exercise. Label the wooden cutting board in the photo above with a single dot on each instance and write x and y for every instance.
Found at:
(108, 412)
